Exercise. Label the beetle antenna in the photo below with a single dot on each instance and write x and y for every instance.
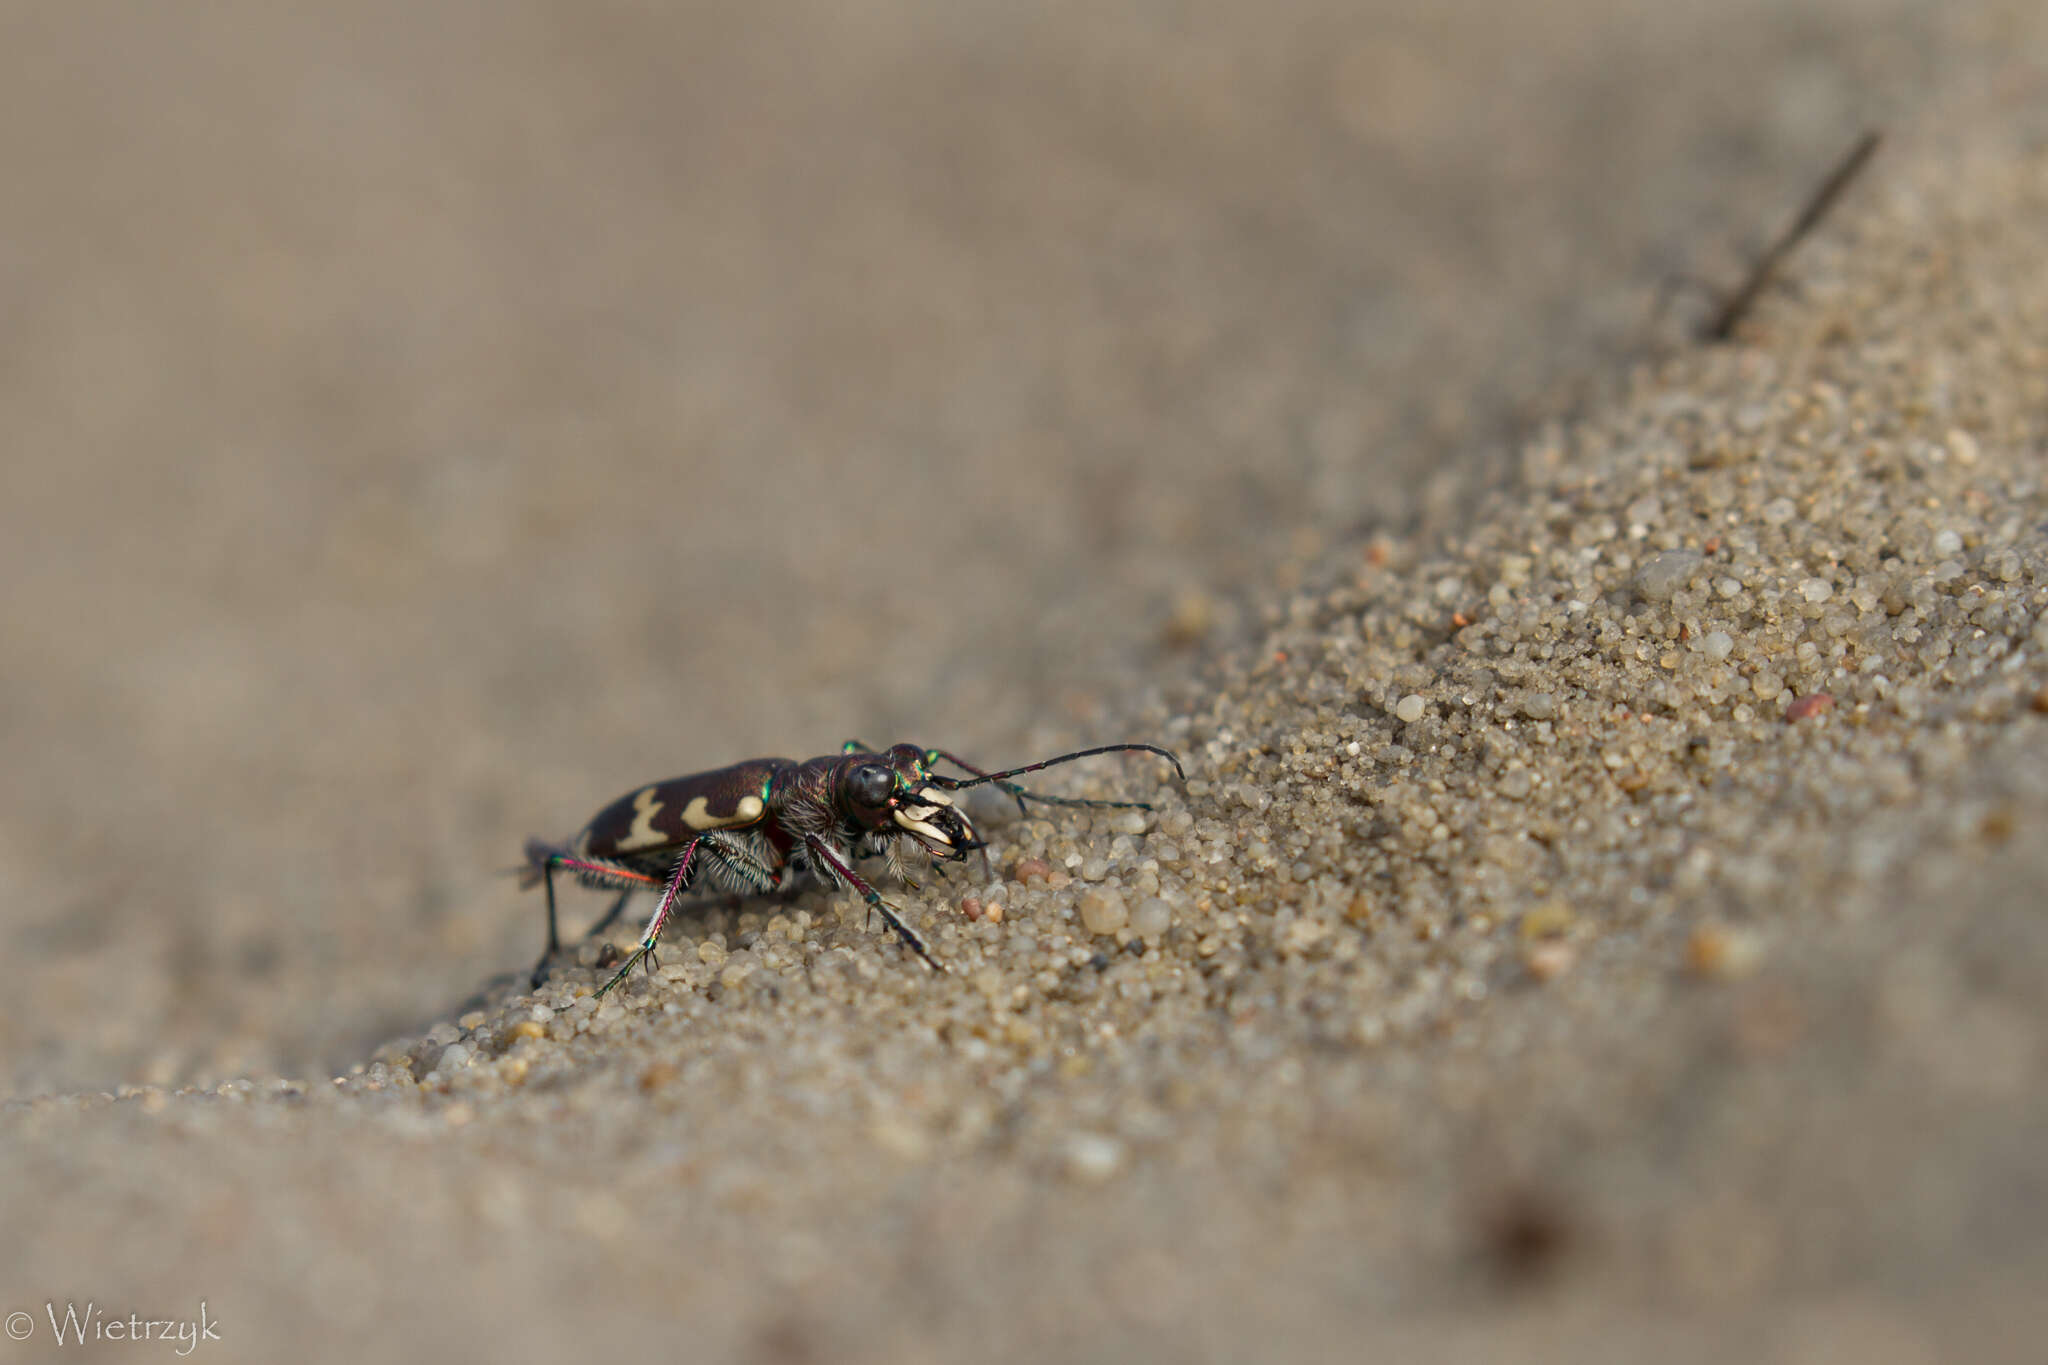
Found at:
(1020, 794)
(1017, 793)
(1731, 312)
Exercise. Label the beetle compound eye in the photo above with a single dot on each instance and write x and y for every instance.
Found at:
(871, 784)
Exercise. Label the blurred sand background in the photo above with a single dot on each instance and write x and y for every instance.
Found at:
(424, 423)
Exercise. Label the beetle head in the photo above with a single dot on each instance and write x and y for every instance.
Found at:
(892, 793)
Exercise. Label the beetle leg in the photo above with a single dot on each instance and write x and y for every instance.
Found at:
(715, 848)
(597, 930)
(827, 859)
(542, 860)
(738, 857)
(540, 867)
(611, 916)
(547, 955)
(547, 877)
(593, 872)
(677, 880)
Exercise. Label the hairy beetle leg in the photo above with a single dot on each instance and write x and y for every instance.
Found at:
(876, 905)
(677, 880)
(716, 849)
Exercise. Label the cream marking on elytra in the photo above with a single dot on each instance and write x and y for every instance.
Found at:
(697, 815)
(643, 834)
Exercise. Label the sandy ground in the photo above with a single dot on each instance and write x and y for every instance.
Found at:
(1604, 915)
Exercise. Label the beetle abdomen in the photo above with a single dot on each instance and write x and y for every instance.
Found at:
(667, 815)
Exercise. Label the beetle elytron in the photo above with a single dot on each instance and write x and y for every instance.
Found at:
(743, 829)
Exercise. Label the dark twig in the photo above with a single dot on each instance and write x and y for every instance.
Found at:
(1737, 305)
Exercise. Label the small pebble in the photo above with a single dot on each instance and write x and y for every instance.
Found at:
(1717, 644)
(1092, 1158)
(1816, 590)
(1539, 706)
(1663, 575)
(1103, 911)
(1548, 961)
(1192, 617)
(901, 1137)
(1409, 709)
(1551, 920)
(1029, 870)
(1722, 953)
(1812, 704)
(1152, 919)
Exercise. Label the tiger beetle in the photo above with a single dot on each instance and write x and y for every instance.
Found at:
(743, 829)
